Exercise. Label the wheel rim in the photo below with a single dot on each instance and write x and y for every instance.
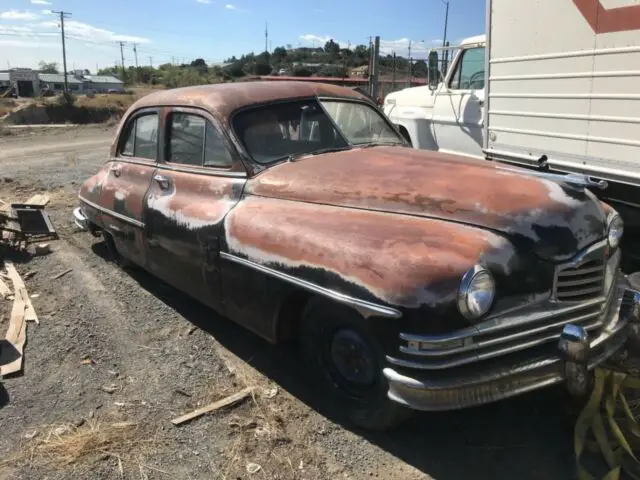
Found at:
(353, 361)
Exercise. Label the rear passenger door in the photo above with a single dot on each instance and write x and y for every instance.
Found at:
(198, 180)
(128, 179)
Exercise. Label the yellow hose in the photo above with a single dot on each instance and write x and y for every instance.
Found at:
(606, 398)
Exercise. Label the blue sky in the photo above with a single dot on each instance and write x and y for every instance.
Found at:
(214, 29)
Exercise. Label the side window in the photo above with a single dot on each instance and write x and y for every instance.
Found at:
(469, 72)
(186, 139)
(127, 148)
(146, 137)
(141, 137)
(215, 150)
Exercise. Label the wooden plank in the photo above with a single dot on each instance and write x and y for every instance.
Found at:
(39, 199)
(5, 291)
(20, 290)
(16, 335)
(212, 407)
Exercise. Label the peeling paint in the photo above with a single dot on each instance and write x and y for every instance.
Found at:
(405, 263)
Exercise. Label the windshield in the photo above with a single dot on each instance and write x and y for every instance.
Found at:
(276, 132)
(360, 123)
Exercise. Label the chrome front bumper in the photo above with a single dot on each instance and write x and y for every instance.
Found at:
(565, 355)
(80, 219)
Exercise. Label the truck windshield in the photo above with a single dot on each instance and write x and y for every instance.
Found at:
(280, 131)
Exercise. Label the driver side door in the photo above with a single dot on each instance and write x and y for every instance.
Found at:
(458, 112)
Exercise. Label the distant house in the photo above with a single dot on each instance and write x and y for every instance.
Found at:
(55, 82)
(102, 83)
(362, 71)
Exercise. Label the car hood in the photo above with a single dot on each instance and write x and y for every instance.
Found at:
(553, 220)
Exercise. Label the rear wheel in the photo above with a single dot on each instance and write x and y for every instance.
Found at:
(343, 353)
(113, 251)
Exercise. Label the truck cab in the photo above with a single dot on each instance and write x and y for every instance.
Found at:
(447, 114)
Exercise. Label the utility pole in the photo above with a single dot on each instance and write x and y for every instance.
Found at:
(266, 37)
(393, 73)
(124, 74)
(375, 77)
(410, 64)
(151, 62)
(445, 53)
(135, 52)
(63, 15)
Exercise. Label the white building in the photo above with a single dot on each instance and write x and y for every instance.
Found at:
(102, 83)
(31, 83)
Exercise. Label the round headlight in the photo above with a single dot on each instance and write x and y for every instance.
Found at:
(477, 292)
(615, 229)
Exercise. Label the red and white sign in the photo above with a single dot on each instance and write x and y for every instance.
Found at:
(603, 20)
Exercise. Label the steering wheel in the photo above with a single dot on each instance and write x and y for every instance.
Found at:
(473, 79)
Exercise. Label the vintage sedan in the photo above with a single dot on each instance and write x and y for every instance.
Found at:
(413, 280)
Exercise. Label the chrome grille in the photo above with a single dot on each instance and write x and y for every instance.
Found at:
(582, 279)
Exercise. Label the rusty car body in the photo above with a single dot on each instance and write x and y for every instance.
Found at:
(411, 278)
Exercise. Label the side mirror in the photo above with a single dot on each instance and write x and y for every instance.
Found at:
(433, 74)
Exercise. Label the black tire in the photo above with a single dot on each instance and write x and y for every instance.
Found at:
(326, 332)
(113, 252)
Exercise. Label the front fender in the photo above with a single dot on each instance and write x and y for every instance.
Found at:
(401, 261)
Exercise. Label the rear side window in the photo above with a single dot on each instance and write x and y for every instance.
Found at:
(142, 137)
(216, 153)
(186, 139)
(192, 140)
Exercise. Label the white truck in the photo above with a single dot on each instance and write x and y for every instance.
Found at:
(554, 84)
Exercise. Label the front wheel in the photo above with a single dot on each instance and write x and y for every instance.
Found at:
(340, 349)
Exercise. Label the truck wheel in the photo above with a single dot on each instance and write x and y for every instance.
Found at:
(341, 351)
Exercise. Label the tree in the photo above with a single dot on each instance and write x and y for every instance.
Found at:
(332, 48)
(333, 71)
(48, 67)
(199, 62)
(279, 54)
(301, 72)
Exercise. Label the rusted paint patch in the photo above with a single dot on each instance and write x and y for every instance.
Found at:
(401, 260)
(432, 184)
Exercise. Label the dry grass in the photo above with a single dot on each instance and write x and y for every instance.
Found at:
(6, 105)
(64, 445)
(113, 101)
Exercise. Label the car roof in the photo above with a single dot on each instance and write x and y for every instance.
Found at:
(223, 99)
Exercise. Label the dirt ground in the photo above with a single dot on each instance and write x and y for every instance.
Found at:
(118, 354)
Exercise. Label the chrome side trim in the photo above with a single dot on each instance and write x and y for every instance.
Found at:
(119, 216)
(367, 309)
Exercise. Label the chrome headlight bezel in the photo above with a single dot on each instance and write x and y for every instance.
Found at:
(615, 230)
(469, 285)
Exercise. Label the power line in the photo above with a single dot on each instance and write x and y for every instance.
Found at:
(63, 15)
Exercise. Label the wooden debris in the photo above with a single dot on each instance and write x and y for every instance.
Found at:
(21, 290)
(39, 199)
(5, 291)
(212, 407)
(61, 274)
(22, 311)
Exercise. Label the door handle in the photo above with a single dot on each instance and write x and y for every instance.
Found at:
(116, 169)
(480, 102)
(163, 182)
